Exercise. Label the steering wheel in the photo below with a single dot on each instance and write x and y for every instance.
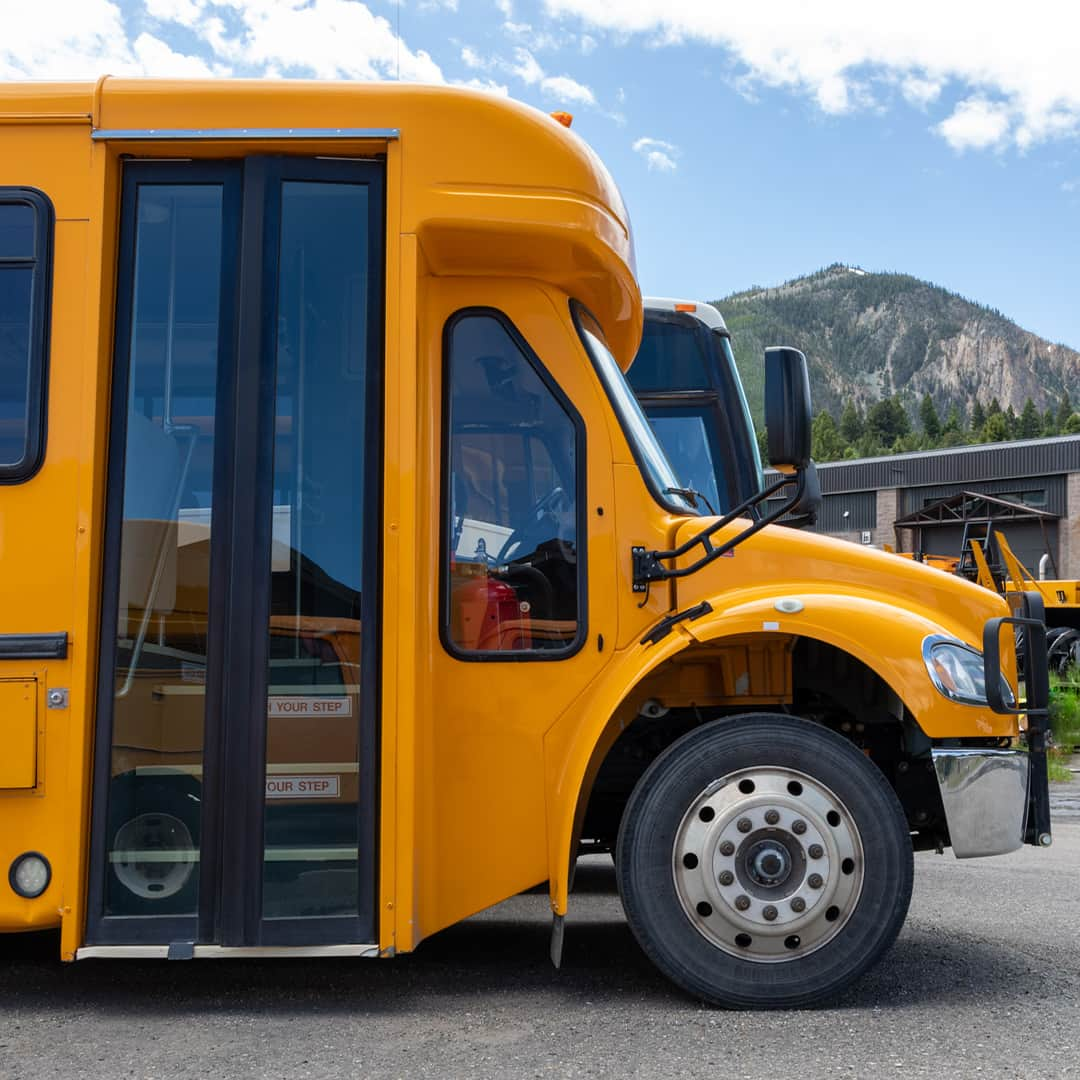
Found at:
(541, 510)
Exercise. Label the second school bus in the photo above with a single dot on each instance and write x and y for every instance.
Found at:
(346, 591)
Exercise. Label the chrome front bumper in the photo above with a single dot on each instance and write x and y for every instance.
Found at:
(985, 795)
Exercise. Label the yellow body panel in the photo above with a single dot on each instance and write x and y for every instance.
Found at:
(18, 733)
(482, 765)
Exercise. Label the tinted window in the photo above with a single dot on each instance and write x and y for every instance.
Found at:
(672, 355)
(512, 574)
(25, 250)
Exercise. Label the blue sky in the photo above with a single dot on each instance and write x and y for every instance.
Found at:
(753, 143)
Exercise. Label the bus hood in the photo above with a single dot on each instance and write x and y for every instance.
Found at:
(781, 563)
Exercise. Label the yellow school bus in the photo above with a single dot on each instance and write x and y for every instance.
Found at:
(347, 591)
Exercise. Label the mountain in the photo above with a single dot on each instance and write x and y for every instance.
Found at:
(868, 336)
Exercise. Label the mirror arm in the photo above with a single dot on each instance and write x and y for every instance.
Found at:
(647, 565)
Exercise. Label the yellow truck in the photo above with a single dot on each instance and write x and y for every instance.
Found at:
(347, 591)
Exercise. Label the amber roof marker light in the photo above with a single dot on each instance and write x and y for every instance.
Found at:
(564, 118)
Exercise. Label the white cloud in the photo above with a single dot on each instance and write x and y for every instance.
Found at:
(184, 12)
(526, 68)
(489, 86)
(569, 91)
(325, 38)
(1069, 186)
(472, 59)
(560, 88)
(65, 39)
(153, 55)
(920, 91)
(976, 124)
(658, 154)
(846, 54)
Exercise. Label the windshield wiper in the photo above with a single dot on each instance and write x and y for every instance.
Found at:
(692, 496)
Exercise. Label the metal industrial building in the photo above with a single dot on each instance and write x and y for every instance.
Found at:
(863, 499)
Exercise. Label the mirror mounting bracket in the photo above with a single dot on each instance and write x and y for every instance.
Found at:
(648, 566)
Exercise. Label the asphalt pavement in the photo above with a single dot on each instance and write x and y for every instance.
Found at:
(984, 981)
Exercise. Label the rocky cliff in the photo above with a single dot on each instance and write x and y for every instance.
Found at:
(868, 336)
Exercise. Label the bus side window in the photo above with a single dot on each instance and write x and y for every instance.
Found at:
(26, 239)
(512, 578)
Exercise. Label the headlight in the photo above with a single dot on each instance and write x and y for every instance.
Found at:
(30, 874)
(956, 670)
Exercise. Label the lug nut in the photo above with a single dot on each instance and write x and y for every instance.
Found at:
(745, 824)
(727, 877)
(742, 902)
(727, 848)
(769, 913)
(815, 881)
(798, 904)
(815, 851)
(772, 817)
(798, 827)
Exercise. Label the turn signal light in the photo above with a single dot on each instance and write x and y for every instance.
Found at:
(564, 118)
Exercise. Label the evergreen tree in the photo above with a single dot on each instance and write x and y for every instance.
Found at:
(1064, 412)
(827, 444)
(978, 418)
(1072, 425)
(994, 409)
(1049, 427)
(1030, 425)
(887, 421)
(954, 422)
(1011, 421)
(931, 422)
(996, 428)
(851, 423)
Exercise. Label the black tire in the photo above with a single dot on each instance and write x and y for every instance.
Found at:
(1063, 649)
(149, 812)
(658, 815)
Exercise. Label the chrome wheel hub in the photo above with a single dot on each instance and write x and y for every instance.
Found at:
(768, 864)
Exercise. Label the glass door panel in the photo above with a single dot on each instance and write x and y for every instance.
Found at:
(313, 710)
(159, 679)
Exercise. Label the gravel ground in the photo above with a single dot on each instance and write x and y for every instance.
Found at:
(984, 981)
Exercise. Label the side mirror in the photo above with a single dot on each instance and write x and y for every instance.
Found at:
(787, 407)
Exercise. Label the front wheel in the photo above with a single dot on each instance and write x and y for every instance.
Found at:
(764, 862)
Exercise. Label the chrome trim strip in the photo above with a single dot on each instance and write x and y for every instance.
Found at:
(223, 952)
(122, 952)
(984, 793)
(150, 134)
(228, 952)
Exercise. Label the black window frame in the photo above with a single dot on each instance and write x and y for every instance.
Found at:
(683, 509)
(40, 264)
(581, 518)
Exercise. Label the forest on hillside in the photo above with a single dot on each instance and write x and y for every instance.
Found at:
(885, 428)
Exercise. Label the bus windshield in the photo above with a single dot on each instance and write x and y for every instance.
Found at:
(686, 380)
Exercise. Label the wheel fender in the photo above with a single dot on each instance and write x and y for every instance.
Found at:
(887, 638)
